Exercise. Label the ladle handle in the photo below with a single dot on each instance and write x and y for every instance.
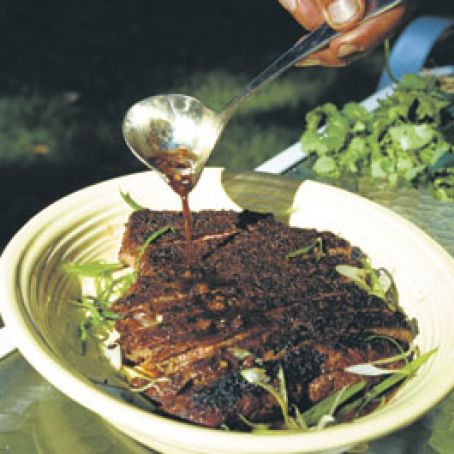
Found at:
(308, 44)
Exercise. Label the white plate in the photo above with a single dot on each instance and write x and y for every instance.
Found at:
(88, 225)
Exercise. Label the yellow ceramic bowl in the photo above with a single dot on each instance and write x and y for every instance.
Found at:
(88, 225)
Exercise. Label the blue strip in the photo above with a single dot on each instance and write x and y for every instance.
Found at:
(413, 46)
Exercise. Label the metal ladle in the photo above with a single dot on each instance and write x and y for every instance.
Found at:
(176, 134)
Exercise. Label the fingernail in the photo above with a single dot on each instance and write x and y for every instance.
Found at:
(342, 11)
(347, 49)
(289, 5)
(309, 62)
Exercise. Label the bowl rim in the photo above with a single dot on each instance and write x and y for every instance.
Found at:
(122, 414)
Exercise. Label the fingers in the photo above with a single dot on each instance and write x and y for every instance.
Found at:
(343, 15)
(367, 35)
(339, 14)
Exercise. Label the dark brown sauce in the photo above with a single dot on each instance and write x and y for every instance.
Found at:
(171, 164)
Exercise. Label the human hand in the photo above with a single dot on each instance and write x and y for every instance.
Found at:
(345, 16)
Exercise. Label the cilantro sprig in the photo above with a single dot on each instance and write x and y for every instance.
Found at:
(406, 139)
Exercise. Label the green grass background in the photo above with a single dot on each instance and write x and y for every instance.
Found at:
(69, 71)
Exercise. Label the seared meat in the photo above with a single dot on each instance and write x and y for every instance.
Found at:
(245, 302)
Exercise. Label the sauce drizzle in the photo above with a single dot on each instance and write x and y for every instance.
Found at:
(176, 166)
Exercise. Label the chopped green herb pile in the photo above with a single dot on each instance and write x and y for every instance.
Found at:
(407, 139)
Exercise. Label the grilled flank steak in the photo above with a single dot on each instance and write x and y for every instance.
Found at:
(246, 302)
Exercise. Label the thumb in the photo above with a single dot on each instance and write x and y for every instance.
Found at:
(342, 14)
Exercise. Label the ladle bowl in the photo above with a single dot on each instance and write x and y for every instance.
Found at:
(168, 124)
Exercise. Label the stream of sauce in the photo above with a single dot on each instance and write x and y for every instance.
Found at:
(173, 164)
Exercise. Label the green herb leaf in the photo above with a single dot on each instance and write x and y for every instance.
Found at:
(369, 370)
(375, 282)
(153, 237)
(411, 137)
(326, 166)
(317, 247)
(259, 377)
(301, 251)
(130, 201)
(329, 405)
